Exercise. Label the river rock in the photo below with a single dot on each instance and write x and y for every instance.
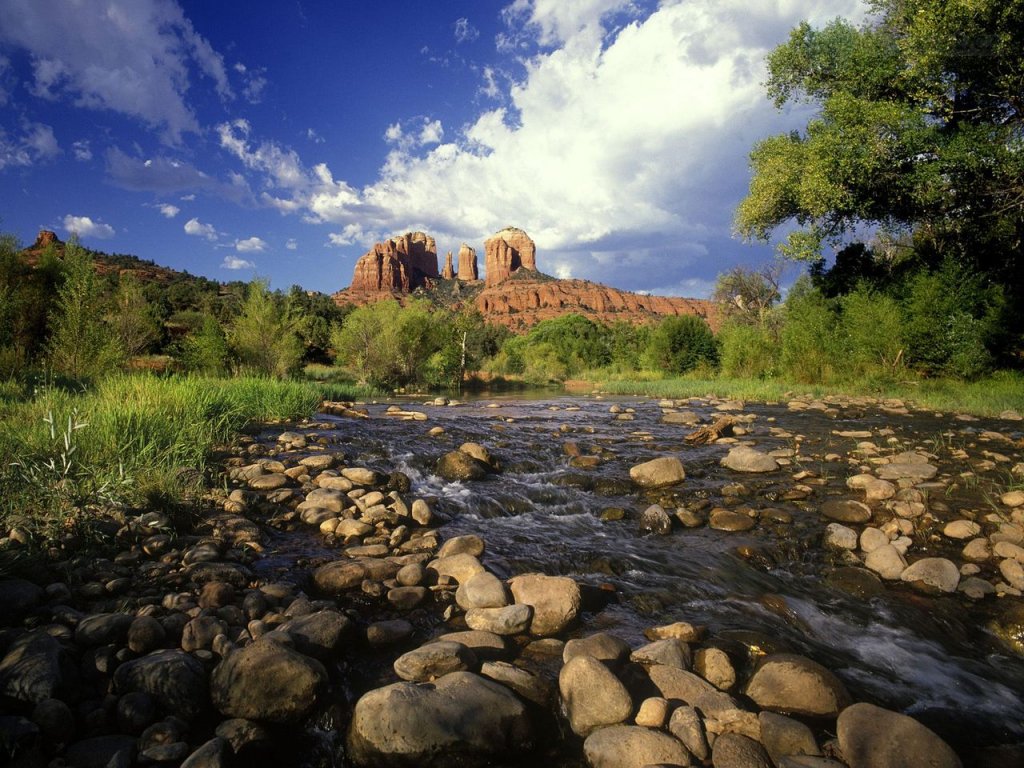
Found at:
(838, 536)
(872, 538)
(481, 454)
(658, 473)
(655, 519)
(670, 652)
(33, 669)
(321, 634)
(102, 752)
(389, 632)
(364, 476)
(733, 750)
(103, 629)
(460, 718)
(555, 600)
(887, 562)
(977, 550)
(508, 620)
(267, 682)
(630, 746)
(17, 598)
(796, 685)
(933, 574)
(175, 679)
(482, 590)
(728, 520)
(961, 529)
(686, 724)
(457, 466)
(859, 582)
(1013, 499)
(593, 697)
(783, 735)
(679, 684)
(461, 567)
(434, 660)
(601, 646)
(713, 665)
(846, 511)
(486, 645)
(1013, 572)
(872, 737)
(743, 458)
(917, 471)
(210, 754)
(462, 545)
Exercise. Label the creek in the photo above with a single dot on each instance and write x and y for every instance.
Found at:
(929, 656)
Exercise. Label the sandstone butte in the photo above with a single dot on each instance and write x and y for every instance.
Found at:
(515, 293)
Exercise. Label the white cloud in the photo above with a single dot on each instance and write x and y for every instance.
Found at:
(135, 57)
(292, 244)
(464, 31)
(250, 245)
(35, 143)
(236, 262)
(490, 87)
(197, 229)
(188, 198)
(353, 234)
(81, 150)
(84, 226)
(169, 211)
(313, 136)
(421, 132)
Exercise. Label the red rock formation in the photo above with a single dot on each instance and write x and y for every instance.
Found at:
(401, 264)
(449, 270)
(45, 238)
(467, 263)
(521, 304)
(507, 252)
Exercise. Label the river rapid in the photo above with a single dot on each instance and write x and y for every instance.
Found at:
(931, 656)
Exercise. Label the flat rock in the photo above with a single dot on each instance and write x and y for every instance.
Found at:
(727, 520)
(745, 459)
(486, 645)
(933, 574)
(630, 746)
(658, 473)
(507, 620)
(461, 719)
(434, 660)
(796, 685)
(846, 511)
(872, 737)
(918, 471)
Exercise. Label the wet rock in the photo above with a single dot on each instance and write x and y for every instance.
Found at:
(658, 473)
(887, 562)
(783, 735)
(363, 476)
(796, 685)
(267, 682)
(481, 454)
(55, 720)
(1008, 627)
(733, 750)
(655, 519)
(670, 652)
(407, 598)
(838, 536)
(457, 466)
(461, 567)
(388, 632)
(508, 620)
(630, 746)
(846, 511)
(679, 630)
(482, 590)
(745, 459)
(461, 718)
(421, 512)
(593, 697)
(858, 582)
(933, 574)
(872, 737)
(435, 660)
(555, 600)
(601, 646)
(462, 545)
(321, 635)
(727, 520)
(175, 680)
(240, 734)
(33, 669)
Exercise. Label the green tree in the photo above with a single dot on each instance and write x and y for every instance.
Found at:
(746, 295)
(205, 350)
(917, 130)
(132, 319)
(81, 345)
(812, 341)
(264, 336)
(680, 344)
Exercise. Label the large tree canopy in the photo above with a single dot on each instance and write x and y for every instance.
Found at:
(918, 131)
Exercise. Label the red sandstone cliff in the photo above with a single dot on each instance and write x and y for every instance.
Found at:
(400, 264)
(506, 253)
(467, 263)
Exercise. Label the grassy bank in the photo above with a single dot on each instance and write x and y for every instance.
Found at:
(985, 397)
(131, 439)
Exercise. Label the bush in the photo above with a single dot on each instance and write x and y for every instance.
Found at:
(873, 325)
(680, 344)
(264, 336)
(747, 351)
(812, 343)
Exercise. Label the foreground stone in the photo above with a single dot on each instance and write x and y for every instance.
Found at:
(592, 695)
(746, 459)
(463, 719)
(872, 737)
(630, 746)
(555, 600)
(658, 473)
(796, 685)
(175, 679)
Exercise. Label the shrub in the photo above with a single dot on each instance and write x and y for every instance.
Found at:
(747, 351)
(873, 325)
(812, 342)
(264, 335)
(680, 344)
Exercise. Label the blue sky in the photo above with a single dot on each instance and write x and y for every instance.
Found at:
(281, 138)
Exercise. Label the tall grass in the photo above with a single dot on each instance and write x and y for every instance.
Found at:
(986, 397)
(132, 439)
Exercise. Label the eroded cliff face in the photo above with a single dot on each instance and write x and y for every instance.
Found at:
(400, 264)
(467, 264)
(522, 303)
(506, 253)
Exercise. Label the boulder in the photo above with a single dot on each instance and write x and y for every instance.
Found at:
(630, 746)
(175, 679)
(733, 750)
(933, 574)
(593, 697)
(658, 473)
(872, 737)
(267, 682)
(555, 600)
(508, 620)
(33, 669)
(796, 685)
(457, 466)
(530, 686)
(435, 660)
(601, 646)
(461, 719)
(743, 458)
(846, 511)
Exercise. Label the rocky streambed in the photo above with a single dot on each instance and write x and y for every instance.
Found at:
(568, 581)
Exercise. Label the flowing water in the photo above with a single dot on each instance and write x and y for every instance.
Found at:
(929, 656)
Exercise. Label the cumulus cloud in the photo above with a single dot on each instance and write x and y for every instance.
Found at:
(196, 228)
(81, 150)
(353, 234)
(84, 226)
(236, 262)
(292, 244)
(34, 143)
(464, 31)
(135, 57)
(169, 211)
(250, 245)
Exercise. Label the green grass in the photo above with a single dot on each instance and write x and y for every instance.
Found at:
(985, 397)
(131, 439)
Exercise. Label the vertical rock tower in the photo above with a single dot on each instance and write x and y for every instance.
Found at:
(467, 263)
(400, 264)
(507, 252)
(448, 273)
